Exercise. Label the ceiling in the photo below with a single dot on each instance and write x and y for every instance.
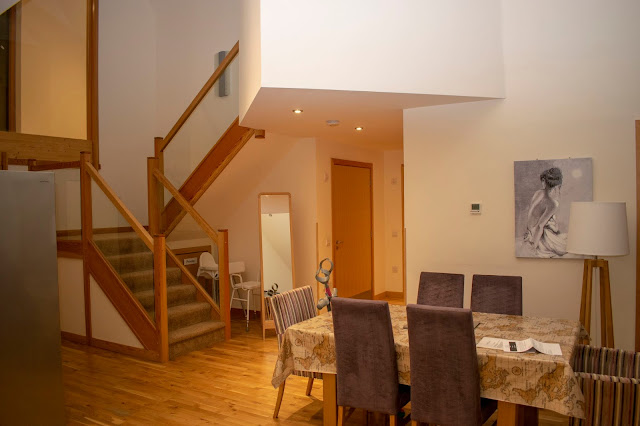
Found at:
(380, 114)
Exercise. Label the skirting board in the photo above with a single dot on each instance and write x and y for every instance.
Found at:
(113, 347)
(389, 295)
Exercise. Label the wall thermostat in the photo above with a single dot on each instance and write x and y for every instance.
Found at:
(475, 208)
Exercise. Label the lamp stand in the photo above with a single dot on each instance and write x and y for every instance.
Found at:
(605, 299)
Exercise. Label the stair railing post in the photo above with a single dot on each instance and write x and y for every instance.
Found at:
(87, 235)
(153, 190)
(223, 274)
(160, 293)
(159, 154)
(4, 161)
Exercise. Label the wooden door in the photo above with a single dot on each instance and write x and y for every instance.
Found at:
(352, 230)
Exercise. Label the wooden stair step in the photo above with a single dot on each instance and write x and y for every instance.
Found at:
(112, 244)
(131, 262)
(176, 295)
(181, 316)
(143, 280)
(194, 330)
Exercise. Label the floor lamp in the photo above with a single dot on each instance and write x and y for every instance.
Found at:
(598, 229)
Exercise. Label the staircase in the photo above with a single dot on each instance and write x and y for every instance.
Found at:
(190, 322)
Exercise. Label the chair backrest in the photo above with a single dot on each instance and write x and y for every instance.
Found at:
(365, 355)
(445, 383)
(438, 289)
(291, 307)
(496, 294)
(207, 260)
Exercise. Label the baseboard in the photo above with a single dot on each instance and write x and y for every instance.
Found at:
(74, 338)
(389, 295)
(126, 350)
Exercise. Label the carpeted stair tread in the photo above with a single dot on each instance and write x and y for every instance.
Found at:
(176, 295)
(111, 244)
(131, 262)
(193, 331)
(188, 314)
(143, 279)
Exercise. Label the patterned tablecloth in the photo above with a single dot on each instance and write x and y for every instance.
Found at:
(538, 380)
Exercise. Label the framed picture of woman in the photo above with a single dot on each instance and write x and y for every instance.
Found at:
(544, 191)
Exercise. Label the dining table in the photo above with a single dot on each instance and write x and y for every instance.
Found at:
(520, 382)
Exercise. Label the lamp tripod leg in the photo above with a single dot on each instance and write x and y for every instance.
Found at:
(605, 306)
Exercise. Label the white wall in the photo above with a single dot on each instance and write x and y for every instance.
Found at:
(417, 46)
(326, 150)
(71, 293)
(250, 71)
(274, 164)
(155, 55)
(393, 220)
(572, 91)
(106, 322)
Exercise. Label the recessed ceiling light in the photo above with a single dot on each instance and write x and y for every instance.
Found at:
(297, 111)
(359, 128)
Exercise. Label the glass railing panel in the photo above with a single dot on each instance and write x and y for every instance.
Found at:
(68, 217)
(211, 118)
(123, 248)
(199, 255)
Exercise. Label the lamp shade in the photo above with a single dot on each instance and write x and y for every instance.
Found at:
(598, 229)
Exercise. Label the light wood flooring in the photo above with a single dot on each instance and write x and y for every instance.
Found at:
(228, 384)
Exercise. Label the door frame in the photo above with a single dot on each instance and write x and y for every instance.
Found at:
(404, 239)
(350, 163)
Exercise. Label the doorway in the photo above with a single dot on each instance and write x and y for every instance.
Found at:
(352, 227)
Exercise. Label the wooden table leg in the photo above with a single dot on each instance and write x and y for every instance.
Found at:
(530, 416)
(510, 414)
(330, 407)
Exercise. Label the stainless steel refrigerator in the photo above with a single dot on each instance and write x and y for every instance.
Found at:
(30, 362)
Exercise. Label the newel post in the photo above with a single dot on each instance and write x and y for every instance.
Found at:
(223, 273)
(160, 293)
(154, 189)
(87, 235)
(158, 149)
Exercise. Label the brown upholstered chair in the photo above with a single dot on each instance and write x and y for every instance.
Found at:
(287, 309)
(496, 294)
(366, 358)
(438, 289)
(445, 383)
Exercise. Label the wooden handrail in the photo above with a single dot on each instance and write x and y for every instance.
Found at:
(137, 227)
(201, 94)
(39, 147)
(186, 206)
(194, 282)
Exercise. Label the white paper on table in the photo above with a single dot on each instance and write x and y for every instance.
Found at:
(491, 343)
(527, 345)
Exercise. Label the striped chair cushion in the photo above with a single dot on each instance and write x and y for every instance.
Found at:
(610, 384)
(289, 308)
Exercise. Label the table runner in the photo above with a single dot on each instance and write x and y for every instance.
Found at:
(538, 380)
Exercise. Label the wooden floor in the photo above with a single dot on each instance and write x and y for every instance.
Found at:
(228, 384)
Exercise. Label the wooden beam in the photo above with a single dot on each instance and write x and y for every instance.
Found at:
(124, 211)
(216, 160)
(70, 249)
(87, 230)
(223, 273)
(201, 94)
(92, 79)
(56, 166)
(160, 295)
(187, 207)
(39, 147)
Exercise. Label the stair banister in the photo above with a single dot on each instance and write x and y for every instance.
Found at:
(160, 294)
(200, 96)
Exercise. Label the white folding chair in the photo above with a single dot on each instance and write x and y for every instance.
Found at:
(209, 267)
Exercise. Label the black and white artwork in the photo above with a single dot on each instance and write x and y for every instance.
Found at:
(544, 191)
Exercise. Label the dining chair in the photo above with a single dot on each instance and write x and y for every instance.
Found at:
(440, 289)
(610, 382)
(496, 294)
(367, 370)
(445, 382)
(287, 309)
